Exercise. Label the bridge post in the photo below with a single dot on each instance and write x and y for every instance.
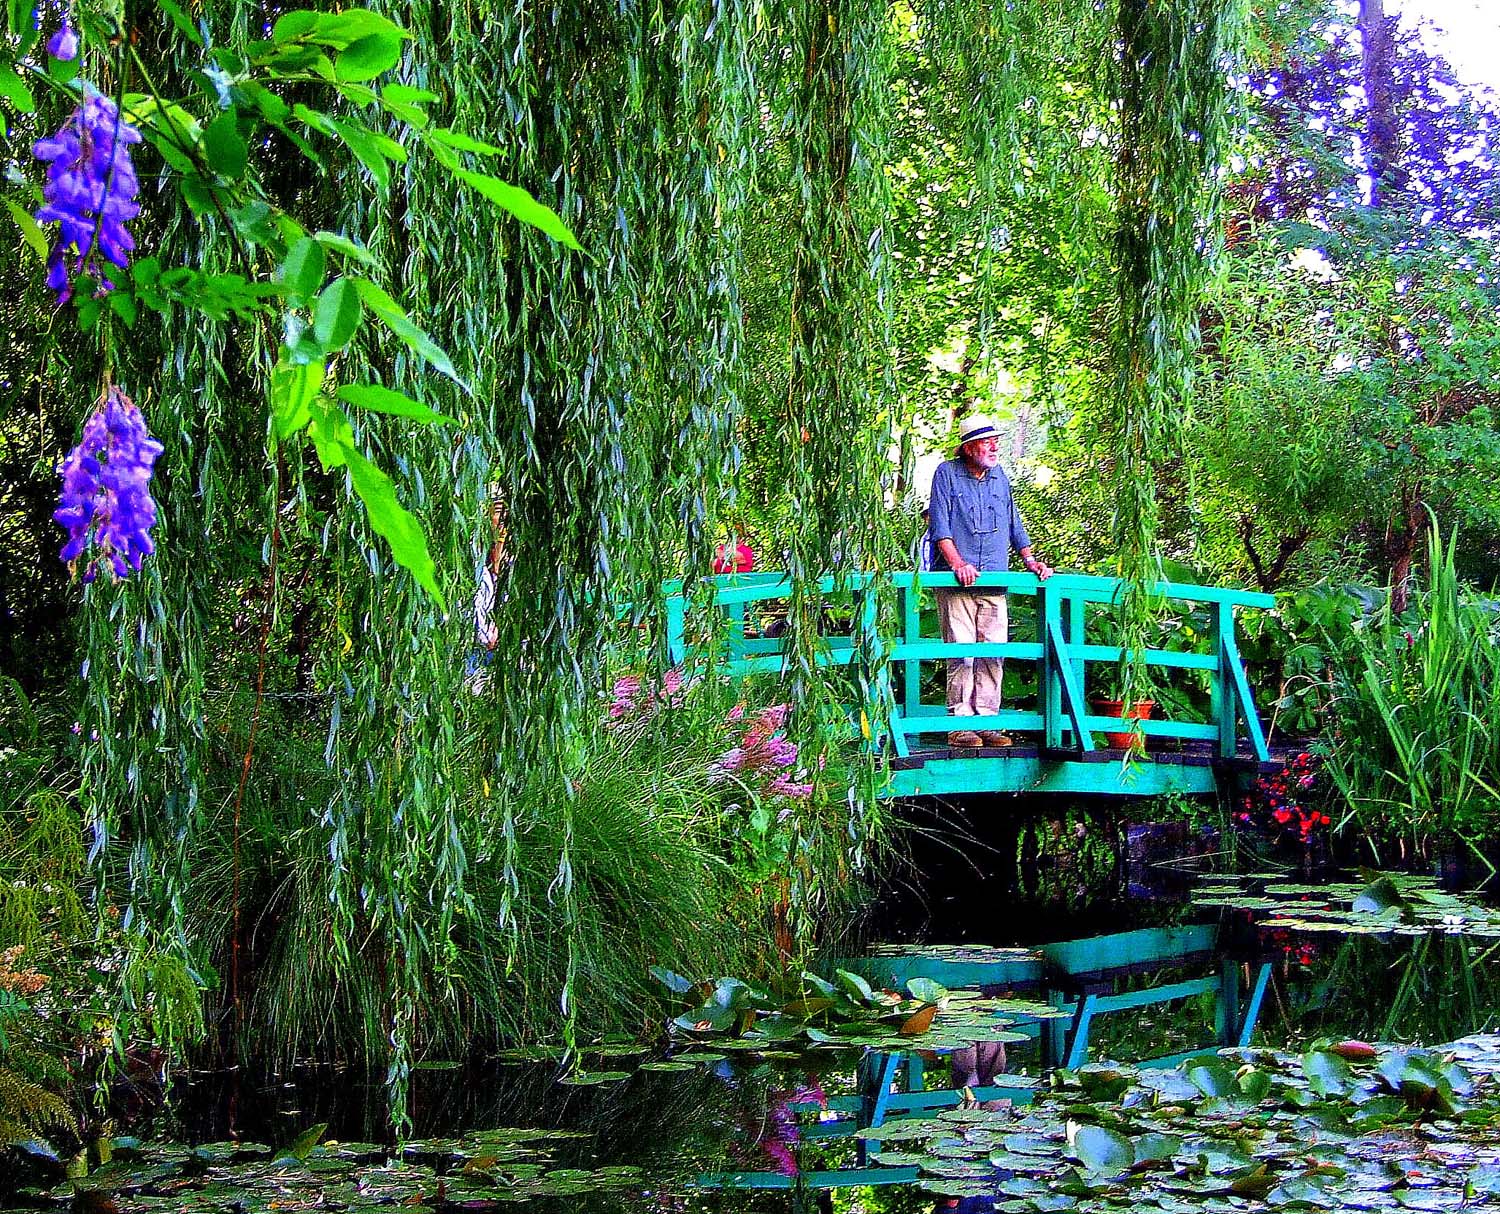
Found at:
(1077, 614)
(1225, 718)
(911, 615)
(676, 629)
(1049, 688)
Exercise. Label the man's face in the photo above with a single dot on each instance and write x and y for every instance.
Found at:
(983, 452)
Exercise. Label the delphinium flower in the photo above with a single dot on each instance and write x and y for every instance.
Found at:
(90, 192)
(64, 44)
(106, 495)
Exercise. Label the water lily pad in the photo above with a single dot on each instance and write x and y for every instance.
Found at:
(581, 1079)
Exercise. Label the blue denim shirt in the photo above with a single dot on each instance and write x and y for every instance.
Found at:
(978, 514)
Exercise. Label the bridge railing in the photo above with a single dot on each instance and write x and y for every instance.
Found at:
(1059, 645)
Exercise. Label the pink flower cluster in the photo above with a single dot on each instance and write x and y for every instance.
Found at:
(782, 1131)
(766, 751)
(631, 697)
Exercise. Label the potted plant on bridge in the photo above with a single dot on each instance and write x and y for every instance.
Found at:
(1108, 699)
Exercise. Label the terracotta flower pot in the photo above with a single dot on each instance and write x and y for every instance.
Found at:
(1139, 711)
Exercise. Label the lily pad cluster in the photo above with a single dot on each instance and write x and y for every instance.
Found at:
(845, 1011)
(481, 1171)
(1345, 1125)
(1399, 903)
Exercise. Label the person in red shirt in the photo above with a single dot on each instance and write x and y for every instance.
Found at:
(740, 560)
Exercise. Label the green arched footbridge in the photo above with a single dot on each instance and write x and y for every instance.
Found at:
(1060, 660)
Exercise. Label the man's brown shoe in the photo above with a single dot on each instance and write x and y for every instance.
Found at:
(993, 737)
(964, 739)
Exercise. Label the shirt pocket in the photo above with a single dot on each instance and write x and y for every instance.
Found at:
(979, 512)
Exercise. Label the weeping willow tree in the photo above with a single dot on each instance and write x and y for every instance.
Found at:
(291, 789)
(1174, 63)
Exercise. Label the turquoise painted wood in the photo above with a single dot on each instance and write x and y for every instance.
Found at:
(1085, 964)
(884, 1096)
(1063, 721)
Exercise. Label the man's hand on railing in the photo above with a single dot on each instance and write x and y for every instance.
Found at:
(1037, 566)
(965, 573)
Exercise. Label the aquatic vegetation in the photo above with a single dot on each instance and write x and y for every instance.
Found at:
(1342, 1125)
(1401, 904)
(843, 1012)
(1416, 720)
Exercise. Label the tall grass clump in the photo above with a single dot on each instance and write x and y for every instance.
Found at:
(1416, 739)
(675, 858)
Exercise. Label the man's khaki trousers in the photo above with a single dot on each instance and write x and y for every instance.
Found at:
(973, 615)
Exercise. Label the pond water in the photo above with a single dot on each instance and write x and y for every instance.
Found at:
(779, 1118)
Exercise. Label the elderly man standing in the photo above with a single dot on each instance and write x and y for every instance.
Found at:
(974, 526)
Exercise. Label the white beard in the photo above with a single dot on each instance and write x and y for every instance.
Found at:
(986, 460)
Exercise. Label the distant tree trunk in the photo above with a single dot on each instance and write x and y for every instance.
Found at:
(1268, 575)
(1401, 545)
(1377, 34)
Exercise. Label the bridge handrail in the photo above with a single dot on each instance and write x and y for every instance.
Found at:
(1060, 648)
(755, 587)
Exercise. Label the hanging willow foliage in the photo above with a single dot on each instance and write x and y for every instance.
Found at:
(1020, 78)
(1175, 64)
(283, 724)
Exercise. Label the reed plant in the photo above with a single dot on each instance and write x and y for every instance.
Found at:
(1415, 747)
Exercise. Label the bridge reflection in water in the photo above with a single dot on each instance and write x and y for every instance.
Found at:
(1062, 632)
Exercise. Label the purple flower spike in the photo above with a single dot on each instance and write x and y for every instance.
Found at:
(90, 192)
(64, 43)
(106, 495)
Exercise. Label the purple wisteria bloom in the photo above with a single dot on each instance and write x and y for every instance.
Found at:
(64, 43)
(106, 495)
(90, 192)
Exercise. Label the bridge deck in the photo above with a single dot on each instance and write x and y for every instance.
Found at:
(1197, 768)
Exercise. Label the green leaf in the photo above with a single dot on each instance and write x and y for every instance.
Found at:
(1255, 1084)
(31, 231)
(461, 142)
(926, 990)
(367, 149)
(294, 25)
(301, 1146)
(405, 94)
(1156, 1146)
(337, 314)
(302, 271)
(1327, 1074)
(343, 30)
(675, 983)
(332, 435)
(181, 20)
(522, 205)
(395, 318)
(390, 519)
(294, 386)
(342, 244)
(376, 399)
(368, 57)
(315, 119)
(19, 21)
(854, 986)
(1378, 897)
(14, 90)
(1212, 1078)
(1102, 1150)
(225, 147)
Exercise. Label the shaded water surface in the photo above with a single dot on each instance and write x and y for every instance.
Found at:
(1304, 1119)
